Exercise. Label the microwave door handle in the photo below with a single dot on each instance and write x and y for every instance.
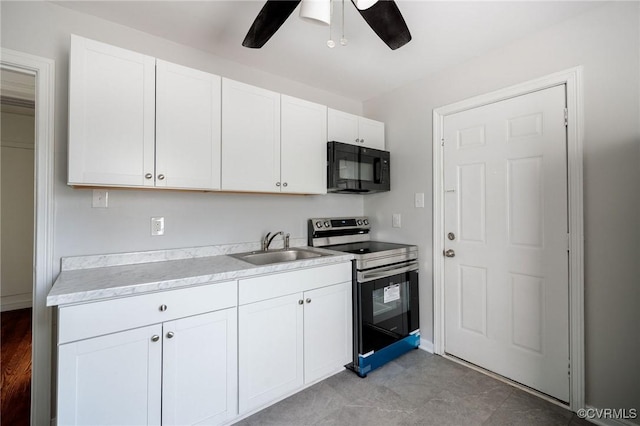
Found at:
(377, 171)
(364, 277)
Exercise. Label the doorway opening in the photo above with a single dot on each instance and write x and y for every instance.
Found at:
(17, 225)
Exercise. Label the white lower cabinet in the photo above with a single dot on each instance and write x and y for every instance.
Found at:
(178, 372)
(291, 340)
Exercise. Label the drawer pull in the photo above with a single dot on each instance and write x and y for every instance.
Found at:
(170, 335)
(163, 308)
(155, 338)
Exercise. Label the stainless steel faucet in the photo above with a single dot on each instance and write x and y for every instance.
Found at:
(266, 241)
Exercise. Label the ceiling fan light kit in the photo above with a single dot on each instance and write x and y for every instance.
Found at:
(383, 16)
(316, 11)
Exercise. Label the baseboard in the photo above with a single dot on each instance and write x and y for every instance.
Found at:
(18, 301)
(426, 345)
(609, 422)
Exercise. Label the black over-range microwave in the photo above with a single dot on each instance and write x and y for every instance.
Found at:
(356, 169)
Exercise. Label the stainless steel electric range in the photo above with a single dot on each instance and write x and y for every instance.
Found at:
(385, 290)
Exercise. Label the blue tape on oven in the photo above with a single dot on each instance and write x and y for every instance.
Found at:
(379, 358)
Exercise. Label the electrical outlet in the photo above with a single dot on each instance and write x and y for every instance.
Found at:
(396, 220)
(157, 226)
(419, 199)
(100, 199)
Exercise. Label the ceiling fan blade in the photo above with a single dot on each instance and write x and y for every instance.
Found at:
(385, 19)
(268, 21)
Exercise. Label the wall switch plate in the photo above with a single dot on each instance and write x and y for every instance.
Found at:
(396, 220)
(100, 199)
(157, 226)
(419, 199)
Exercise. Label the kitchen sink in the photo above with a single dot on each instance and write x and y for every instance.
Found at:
(277, 256)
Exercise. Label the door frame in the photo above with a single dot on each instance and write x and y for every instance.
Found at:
(43, 70)
(572, 78)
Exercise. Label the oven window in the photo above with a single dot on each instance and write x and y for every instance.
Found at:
(388, 302)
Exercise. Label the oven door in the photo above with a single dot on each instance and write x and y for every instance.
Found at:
(388, 307)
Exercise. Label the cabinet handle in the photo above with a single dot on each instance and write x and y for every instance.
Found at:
(361, 140)
(148, 176)
(300, 302)
(308, 300)
(161, 177)
(170, 335)
(163, 308)
(357, 140)
(155, 338)
(277, 183)
(285, 184)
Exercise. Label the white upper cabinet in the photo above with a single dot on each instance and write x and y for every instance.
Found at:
(350, 128)
(111, 115)
(135, 124)
(187, 128)
(250, 138)
(303, 146)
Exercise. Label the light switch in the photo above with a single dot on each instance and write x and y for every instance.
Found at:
(100, 199)
(419, 199)
(396, 221)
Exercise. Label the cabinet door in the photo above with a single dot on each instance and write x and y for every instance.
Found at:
(342, 127)
(303, 146)
(187, 128)
(371, 133)
(327, 330)
(199, 385)
(250, 138)
(111, 115)
(111, 380)
(270, 350)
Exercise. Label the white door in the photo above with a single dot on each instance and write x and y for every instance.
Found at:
(199, 382)
(111, 380)
(342, 127)
(327, 330)
(506, 289)
(250, 138)
(303, 146)
(187, 128)
(111, 115)
(270, 350)
(371, 133)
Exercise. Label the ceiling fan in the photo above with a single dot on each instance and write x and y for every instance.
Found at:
(383, 16)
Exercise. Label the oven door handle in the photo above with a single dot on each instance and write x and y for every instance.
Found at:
(364, 277)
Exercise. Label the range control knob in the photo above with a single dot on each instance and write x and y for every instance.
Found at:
(318, 224)
(366, 221)
(327, 224)
(359, 222)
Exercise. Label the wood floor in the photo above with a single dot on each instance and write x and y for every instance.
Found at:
(15, 360)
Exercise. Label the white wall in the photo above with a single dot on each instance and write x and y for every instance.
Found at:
(16, 235)
(191, 218)
(606, 41)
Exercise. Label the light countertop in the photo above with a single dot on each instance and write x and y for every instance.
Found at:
(90, 278)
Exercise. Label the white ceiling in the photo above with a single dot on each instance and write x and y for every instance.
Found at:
(444, 34)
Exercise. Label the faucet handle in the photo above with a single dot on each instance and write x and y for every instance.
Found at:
(286, 241)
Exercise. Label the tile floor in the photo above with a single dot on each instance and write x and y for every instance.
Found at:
(415, 389)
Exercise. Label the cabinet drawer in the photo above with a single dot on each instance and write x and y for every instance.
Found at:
(276, 285)
(94, 319)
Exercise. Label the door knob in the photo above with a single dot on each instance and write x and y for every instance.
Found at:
(148, 176)
(170, 335)
(155, 338)
(308, 300)
(450, 253)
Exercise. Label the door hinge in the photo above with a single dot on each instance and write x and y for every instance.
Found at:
(566, 117)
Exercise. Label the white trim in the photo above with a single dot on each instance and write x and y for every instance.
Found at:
(44, 71)
(426, 345)
(16, 301)
(572, 78)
